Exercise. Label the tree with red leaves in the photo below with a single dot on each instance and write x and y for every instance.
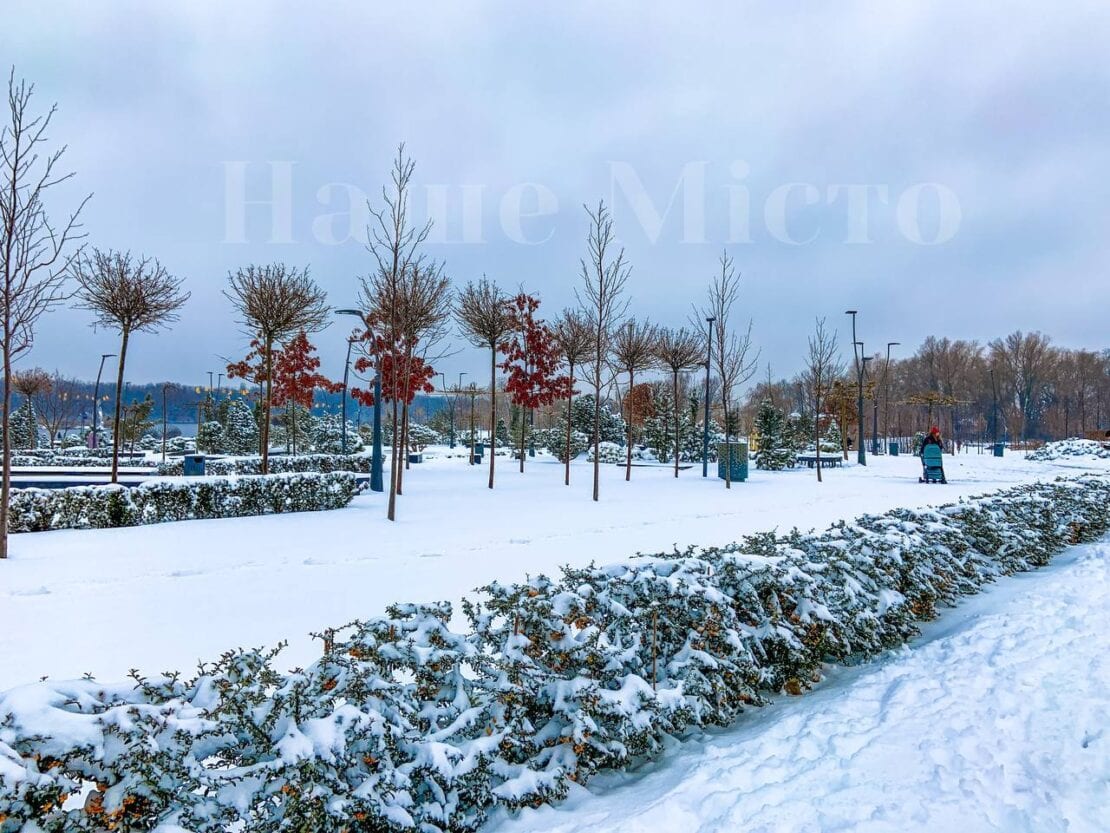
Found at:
(532, 359)
(297, 378)
(394, 387)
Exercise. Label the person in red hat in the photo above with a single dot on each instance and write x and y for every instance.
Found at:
(933, 438)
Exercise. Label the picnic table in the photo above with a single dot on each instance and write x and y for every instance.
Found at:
(827, 460)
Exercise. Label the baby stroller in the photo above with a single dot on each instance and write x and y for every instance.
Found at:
(932, 461)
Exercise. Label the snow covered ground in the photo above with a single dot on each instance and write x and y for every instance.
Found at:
(162, 597)
(997, 719)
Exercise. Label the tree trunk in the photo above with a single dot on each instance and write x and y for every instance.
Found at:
(266, 406)
(817, 435)
(6, 479)
(677, 446)
(393, 446)
(119, 403)
(523, 428)
(492, 410)
(728, 450)
(631, 405)
(570, 403)
(597, 431)
(403, 435)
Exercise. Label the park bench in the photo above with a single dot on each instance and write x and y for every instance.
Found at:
(827, 461)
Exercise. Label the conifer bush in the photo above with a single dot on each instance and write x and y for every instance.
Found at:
(406, 725)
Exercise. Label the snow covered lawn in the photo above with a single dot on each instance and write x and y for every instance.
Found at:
(997, 719)
(162, 597)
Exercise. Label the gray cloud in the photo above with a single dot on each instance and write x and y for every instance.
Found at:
(1004, 107)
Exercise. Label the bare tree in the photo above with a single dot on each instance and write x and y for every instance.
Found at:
(633, 351)
(420, 304)
(35, 254)
(482, 314)
(823, 367)
(129, 296)
(731, 355)
(1024, 363)
(679, 351)
(575, 342)
(31, 384)
(604, 275)
(275, 302)
(394, 242)
(56, 404)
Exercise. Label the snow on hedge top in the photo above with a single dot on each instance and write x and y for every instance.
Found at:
(1065, 449)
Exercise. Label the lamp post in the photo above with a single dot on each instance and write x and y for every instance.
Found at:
(861, 452)
(96, 398)
(886, 389)
(994, 412)
(376, 455)
(343, 401)
(874, 411)
(705, 424)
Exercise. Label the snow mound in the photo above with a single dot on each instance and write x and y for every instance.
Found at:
(1068, 449)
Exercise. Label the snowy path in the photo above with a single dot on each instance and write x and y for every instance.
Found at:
(162, 597)
(998, 719)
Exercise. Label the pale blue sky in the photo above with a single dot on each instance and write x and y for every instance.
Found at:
(1005, 106)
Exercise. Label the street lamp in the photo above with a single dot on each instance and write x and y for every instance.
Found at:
(376, 456)
(861, 452)
(450, 412)
(886, 389)
(343, 400)
(96, 398)
(705, 425)
(874, 411)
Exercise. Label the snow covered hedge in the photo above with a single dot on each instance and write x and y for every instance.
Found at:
(1065, 449)
(278, 464)
(101, 507)
(404, 725)
(66, 461)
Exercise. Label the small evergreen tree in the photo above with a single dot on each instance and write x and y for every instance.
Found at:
(240, 430)
(774, 454)
(582, 420)
(25, 426)
(799, 431)
(210, 437)
(832, 441)
(501, 434)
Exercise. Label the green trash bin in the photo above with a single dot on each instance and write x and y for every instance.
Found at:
(739, 457)
(999, 448)
(892, 449)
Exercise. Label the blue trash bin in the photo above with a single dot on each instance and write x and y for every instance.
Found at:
(193, 465)
(892, 449)
(739, 457)
(999, 448)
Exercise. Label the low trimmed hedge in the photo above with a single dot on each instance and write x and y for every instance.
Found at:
(152, 502)
(65, 461)
(405, 725)
(278, 464)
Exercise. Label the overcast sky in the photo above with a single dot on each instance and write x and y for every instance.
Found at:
(984, 127)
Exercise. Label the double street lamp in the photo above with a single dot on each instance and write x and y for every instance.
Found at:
(376, 456)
